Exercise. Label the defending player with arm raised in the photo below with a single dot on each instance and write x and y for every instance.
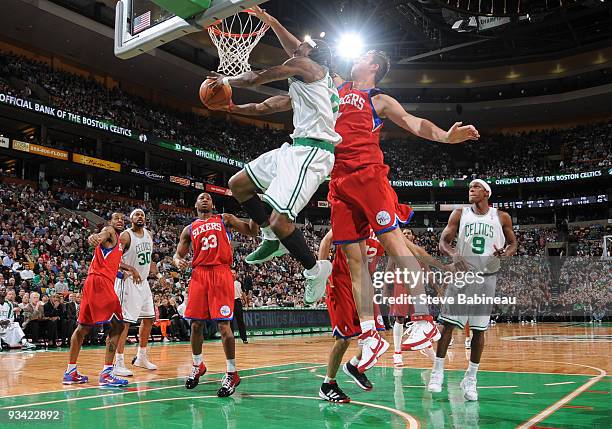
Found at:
(100, 304)
(360, 188)
(290, 175)
(484, 235)
(211, 288)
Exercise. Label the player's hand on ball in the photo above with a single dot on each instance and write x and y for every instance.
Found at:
(459, 133)
(217, 79)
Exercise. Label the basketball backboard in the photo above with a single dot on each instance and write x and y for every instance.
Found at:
(142, 25)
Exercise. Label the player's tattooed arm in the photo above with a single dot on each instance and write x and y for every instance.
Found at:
(389, 107)
(446, 240)
(289, 42)
(278, 103)
(511, 244)
(246, 228)
(325, 246)
(103, 236)
(182, 249)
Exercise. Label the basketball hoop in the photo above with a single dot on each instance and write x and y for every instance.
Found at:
(235, 37)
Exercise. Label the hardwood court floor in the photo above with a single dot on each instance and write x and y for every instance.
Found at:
(545, 376)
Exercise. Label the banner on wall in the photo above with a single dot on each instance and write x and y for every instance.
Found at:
(35, 149)
(149, 174)
(4, 142)
(95, 162)
(180, 180)
(218, 189)
(54, 112)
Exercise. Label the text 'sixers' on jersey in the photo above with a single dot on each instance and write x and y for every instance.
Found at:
(210, 240)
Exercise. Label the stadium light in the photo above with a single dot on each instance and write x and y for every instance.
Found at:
(322, 35)
(307, 38)
(350, 45)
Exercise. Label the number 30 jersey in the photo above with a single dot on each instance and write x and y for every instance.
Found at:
(477, 238)
(139, 253)
(210, 240)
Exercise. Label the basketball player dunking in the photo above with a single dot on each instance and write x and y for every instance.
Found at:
(360, 190)
(483, 235)
(100, 304)
(134, 291)
(290, 175)
(211, 289)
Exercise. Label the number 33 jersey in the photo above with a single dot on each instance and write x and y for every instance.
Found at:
(210, 240)
(477, 238)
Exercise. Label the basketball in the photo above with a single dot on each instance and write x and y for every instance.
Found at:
(216, 98)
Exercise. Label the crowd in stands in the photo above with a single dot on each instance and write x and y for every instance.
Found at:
(44, 260)
(526, 154)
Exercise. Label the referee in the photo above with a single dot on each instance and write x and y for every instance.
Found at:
(239, 298)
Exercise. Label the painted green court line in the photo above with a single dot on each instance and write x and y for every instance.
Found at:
(286, 396)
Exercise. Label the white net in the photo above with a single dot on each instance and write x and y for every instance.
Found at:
(235, 37)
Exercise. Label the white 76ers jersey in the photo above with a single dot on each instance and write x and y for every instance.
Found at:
(139, 253)
(477, 238)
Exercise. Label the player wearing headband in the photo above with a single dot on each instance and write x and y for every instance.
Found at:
(132, 288)
(484, 235)
(290, 175)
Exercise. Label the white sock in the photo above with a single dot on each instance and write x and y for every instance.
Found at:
(368, 325)
(107, 367)
(268, 234)
(472, 370)
(327, 379)
(314, 271)
(142, 351)
(398, 330)
(119, 359)
(24, 340)
(354, 361)
(71, 366)
(438, 364)
(231, 365)
(197, 359)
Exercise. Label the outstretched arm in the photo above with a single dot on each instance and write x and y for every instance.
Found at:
(422, 255)
(291, 67)
(246, 228)
(289, 41)
(278, 103)
(101, 237)
(182, 249)
(389, 107)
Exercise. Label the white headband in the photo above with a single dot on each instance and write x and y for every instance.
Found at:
(136, 211)
(483, 184)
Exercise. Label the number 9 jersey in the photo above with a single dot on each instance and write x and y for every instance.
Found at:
(210, 240)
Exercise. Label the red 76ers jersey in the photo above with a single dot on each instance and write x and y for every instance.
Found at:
(210, 240)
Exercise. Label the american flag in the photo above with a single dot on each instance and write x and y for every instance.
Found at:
(141, 22)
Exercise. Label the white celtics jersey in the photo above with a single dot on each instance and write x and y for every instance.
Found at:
(315, 109)
(477, 238)
(139, 253)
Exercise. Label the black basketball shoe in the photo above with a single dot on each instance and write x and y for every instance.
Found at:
(358, 377)
(331, 392)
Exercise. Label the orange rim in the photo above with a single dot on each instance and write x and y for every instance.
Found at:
(215, 29)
